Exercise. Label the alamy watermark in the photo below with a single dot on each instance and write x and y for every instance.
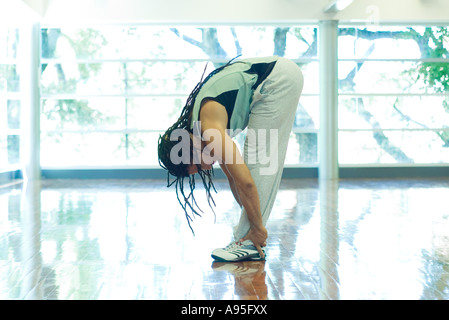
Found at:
(261, 144)
(373, 18)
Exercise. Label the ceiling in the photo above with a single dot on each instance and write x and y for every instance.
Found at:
(229, 11)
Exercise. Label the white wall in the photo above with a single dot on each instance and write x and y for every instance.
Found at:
(237, 11)
(15, 12)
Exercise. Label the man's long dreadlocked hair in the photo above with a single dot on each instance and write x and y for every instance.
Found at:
(180, 171)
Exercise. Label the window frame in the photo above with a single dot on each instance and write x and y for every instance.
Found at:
(126, 95)
(356, 95)
(8, 169)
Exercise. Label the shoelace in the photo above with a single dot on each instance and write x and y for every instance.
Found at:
(234, 245)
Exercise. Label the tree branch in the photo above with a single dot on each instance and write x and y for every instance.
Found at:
(186, 38)
(236, 41)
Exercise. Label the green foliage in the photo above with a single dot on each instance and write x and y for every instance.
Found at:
(86, 43)
(435, 74)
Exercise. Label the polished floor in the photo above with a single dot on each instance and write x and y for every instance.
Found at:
(352, 239)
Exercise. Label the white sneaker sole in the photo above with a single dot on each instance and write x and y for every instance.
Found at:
(239, 256)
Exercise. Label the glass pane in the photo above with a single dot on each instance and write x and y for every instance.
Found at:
(307, 113)
(153, 113)
(88, 79)
(76, 149)
(116, 42)
(138, 78)
(9, 150)
(384, 147)
(289, 42)
(302, 148)
(122, 78)
(9, 78)
(9, 43)
(99, 149)
(388, 42)
(182, 42)
(13, 142)
(391, 112)
(311, 80)
(162, 77)
(393, 77)
(141, 149)
(73, 42)
(422, 112)
(88, 114)
(13, 110)
(3, 151)
(9, 109)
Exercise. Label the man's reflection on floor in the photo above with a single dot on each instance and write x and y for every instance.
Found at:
(249, 278)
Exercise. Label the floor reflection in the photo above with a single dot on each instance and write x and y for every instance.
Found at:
(249, 278)
(329, 239)
(347, 239)
(30, 249)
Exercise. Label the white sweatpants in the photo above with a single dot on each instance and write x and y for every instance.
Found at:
(273, 110)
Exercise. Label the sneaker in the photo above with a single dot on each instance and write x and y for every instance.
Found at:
(238, 251)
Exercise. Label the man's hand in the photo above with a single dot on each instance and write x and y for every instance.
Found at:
(258, 235)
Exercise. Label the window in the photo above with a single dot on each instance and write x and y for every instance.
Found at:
(9, 98)
(107, 93)
(394, 95)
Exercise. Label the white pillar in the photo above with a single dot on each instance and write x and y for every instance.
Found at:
(30, 102)
(328, 136)
(32, 284)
